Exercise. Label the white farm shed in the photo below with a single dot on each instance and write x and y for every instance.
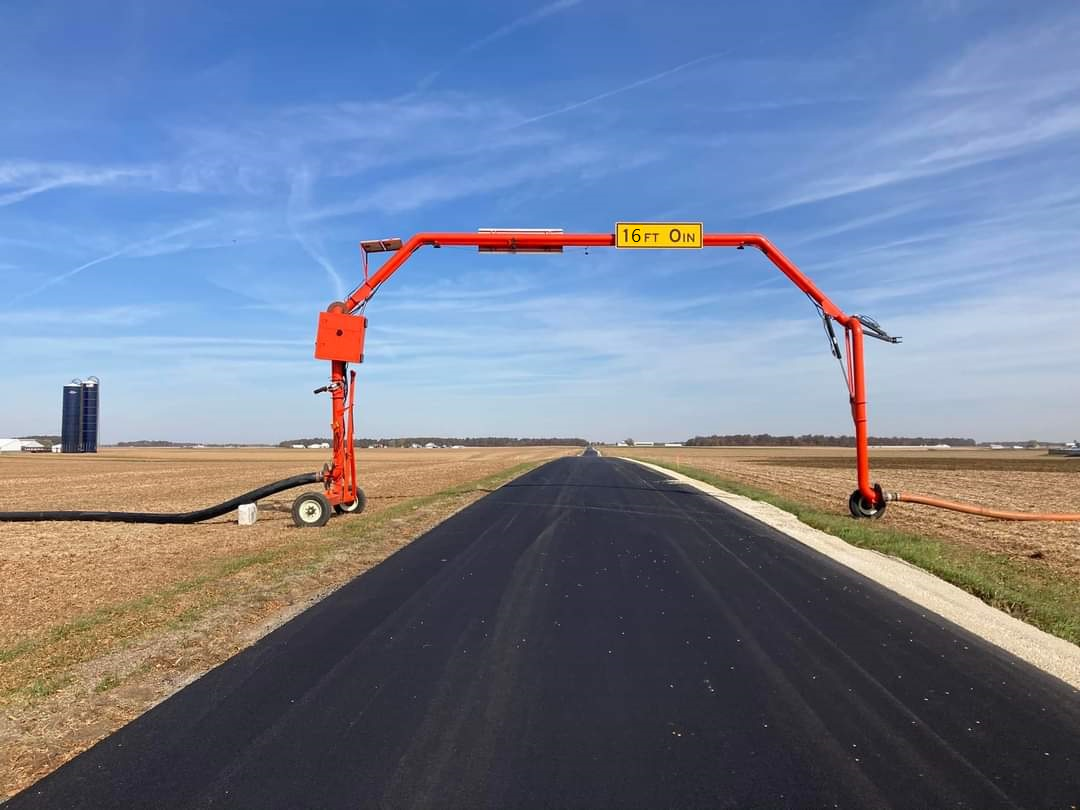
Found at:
(18, 445)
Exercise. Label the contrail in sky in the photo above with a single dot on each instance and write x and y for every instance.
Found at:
(639, 83)
(52, 282)
(300, 197)
(504, 31)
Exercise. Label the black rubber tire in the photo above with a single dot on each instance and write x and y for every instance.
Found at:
(311, 510)
(859, 508)
(354, 508)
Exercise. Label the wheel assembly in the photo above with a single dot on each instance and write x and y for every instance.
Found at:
(862, 508)
(311, 510)
(354, 508)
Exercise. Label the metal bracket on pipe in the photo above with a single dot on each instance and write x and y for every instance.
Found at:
(874, 330)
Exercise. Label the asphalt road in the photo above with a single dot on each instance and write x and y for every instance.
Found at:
(593, 636)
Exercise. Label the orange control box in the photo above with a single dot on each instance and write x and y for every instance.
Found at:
(340, 337)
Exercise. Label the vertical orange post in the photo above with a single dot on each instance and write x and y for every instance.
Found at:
(858, 410)
(337, 477)
(350, 444)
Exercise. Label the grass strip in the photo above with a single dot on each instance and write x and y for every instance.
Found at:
(1017, 587)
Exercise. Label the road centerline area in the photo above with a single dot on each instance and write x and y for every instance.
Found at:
(594, 635)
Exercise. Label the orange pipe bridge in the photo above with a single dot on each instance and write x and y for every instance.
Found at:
(342, 327)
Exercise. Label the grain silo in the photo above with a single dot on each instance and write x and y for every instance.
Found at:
(79, 419)
(90, 399)
(71, 420)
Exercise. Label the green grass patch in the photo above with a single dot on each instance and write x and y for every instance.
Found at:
(105, 684)
(47, 685)
(1020, 588)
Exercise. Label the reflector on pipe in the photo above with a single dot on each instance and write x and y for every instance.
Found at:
(513, 247)
(380, 245)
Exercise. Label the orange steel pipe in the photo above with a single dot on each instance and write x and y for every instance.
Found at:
(340, 483)
(350, 442)
(338, 479)
(972, 509)
(858, 411)
(341, 478)
(510, 241)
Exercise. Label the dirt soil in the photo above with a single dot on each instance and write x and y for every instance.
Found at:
(53, 571)
(100, 621)
(1020, 480)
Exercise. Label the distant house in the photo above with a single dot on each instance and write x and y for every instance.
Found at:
(10, 445)
(430, 445)
(298, 447)
(644, 444)
(673, 444)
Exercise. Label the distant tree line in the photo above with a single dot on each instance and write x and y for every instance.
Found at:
(817, 440)
(163, 443)
(48, 441)
(476, 441)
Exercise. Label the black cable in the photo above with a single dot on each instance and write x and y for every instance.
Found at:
(167, 517)
(834, 344)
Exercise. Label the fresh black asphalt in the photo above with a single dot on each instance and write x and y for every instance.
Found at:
(592, 635)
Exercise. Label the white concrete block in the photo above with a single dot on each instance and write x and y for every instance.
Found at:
(248, 513)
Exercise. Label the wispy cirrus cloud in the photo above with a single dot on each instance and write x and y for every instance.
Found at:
(20, 180)
(126, 250)
(121, 316)
(299, 205)
(460, 181)
(1005, 95)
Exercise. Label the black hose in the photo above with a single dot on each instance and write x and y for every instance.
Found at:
(168, 517)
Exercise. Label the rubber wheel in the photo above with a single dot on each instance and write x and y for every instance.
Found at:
(859, 507)
(354, 508)
(311, 510)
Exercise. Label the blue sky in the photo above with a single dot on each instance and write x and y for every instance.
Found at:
(183, 187)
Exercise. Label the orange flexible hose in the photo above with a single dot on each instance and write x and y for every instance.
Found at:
(971, 509)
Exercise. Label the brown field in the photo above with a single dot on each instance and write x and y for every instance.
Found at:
(53, 571)
(1023, 480)
(98, 621)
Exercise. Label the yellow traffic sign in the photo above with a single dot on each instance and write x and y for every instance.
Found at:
(658, 235)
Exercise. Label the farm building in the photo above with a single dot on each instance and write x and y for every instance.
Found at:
(22, 446)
